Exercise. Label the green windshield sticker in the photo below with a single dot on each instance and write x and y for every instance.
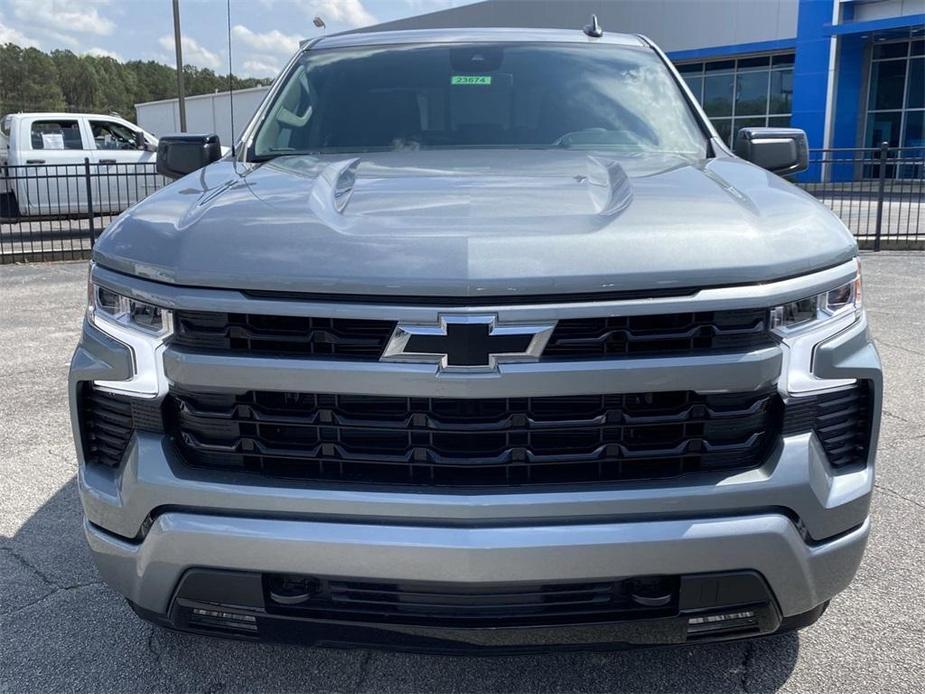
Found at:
(470, 79)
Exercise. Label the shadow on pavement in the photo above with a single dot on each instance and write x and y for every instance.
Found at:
(64, 629)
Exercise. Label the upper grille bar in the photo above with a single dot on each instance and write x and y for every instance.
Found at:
(282, 335)
(653, 335)
(573, 338)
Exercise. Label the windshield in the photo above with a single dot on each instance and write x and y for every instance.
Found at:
(478, 95)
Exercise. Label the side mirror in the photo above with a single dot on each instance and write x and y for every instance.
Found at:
(783, 151)
(178, 155)
(140, 142)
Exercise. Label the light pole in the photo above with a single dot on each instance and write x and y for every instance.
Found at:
(176, 40)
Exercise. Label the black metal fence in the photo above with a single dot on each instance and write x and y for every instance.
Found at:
(878, 192)
(57, 211)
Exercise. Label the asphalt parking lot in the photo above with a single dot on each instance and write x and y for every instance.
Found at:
(62, 630)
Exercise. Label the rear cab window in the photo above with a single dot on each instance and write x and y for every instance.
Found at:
(56, 134)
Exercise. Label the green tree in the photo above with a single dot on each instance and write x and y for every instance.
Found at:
(31, 80)
(79, 81)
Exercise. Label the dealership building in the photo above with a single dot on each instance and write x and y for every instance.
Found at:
(851, 73)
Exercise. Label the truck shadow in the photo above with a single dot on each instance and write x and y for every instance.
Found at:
(64, 629)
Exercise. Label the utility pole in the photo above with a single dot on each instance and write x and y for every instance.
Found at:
(176, 40)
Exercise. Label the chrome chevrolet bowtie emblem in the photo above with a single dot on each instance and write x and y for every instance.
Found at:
(467, 343)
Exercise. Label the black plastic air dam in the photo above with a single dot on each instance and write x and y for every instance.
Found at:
(704, 607)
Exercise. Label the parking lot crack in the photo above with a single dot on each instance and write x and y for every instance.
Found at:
(364, 671)
(748, 660)
(894, 493)
(167, 679)
(54, 591)
(899, 417)
(901, 348)
(29, 565)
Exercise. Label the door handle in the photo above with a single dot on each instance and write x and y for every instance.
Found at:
(35, 161)
(107, 161)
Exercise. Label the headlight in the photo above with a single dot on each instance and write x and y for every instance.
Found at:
(801, 325)
(140, 326)
(124, 310)
(808, 313)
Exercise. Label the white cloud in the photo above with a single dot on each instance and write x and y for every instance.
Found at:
(68, 16)
(58, 36)
(269, 42)
(349, 12)
(261, 66)
(11, 35)
(422, 6)
(193, 53)
(103, 53)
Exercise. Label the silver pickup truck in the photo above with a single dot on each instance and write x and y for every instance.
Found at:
(481, 339)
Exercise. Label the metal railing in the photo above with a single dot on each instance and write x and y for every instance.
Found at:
(57, 211)
(878, 192)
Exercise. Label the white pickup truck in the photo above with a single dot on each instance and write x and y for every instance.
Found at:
(44, 156)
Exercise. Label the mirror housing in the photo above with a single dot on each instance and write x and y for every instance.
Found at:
(783, 151)
(178, 155)
(140, 141)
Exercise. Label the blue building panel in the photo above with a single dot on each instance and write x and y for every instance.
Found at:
(811, 69)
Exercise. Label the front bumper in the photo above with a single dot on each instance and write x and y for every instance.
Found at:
(796, 521)
(800, 575)
(803, 576)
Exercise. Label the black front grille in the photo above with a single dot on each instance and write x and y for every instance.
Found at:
(841, 420)
(480, 442)
(653, 335)
(573, 338)
(106, 426)
(259, 334)
(108, 420)
(459, 606)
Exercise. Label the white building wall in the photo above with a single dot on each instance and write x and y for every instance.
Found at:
(676, 25)
(205, 113)
(865, 10)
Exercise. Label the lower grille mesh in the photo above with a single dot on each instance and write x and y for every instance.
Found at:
(841, 420)
(477, 606)
(481, 442)
(108, 421)
(106, 426)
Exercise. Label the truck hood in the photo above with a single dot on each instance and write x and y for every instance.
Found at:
(475, 222)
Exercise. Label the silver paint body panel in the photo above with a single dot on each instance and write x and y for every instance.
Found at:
(476, 233)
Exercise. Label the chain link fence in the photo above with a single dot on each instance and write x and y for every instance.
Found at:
(56, 212)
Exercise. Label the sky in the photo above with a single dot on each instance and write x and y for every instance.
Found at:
(265, 33)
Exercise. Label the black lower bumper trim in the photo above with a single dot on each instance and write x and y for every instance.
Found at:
(707, 607)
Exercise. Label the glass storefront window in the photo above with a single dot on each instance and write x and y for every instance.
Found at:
(781, 92)
(896, 101)
(695, 82)
(915, 94)
(743, 92)
(884, 127)
(717, 94)
(915, 129)
(752, 93)
(887, 79)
